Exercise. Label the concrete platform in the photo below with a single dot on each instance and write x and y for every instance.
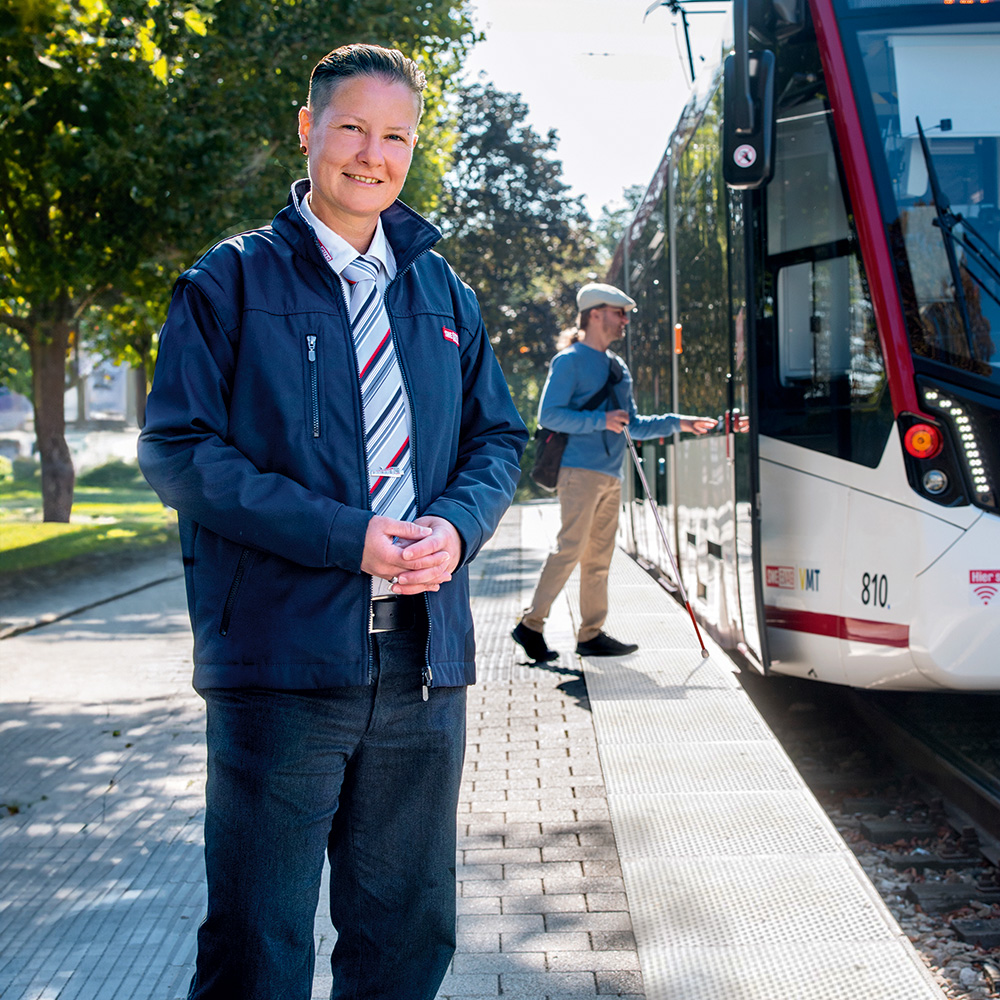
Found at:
(637, 835)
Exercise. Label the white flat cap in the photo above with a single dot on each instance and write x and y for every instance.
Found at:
(596, 294)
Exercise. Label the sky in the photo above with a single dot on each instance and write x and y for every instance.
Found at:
(612, 85)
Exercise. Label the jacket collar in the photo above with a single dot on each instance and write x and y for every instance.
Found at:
(408, 233)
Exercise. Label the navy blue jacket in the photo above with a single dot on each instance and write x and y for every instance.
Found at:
(259, 445)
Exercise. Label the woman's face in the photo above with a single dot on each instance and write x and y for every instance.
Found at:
(359, 146)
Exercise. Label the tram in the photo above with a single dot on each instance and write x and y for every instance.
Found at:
(816, 259)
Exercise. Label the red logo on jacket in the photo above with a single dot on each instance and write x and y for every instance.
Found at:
(450, 335)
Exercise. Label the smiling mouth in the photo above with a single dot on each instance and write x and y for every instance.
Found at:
(363, 180)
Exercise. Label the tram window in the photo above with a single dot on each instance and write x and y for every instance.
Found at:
(828, 389)
(807, 226)
(814, 310)
(962, 130)
(699, 206)
(805, 207)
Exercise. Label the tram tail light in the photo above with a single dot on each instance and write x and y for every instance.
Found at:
(931, 459)
(923, 441)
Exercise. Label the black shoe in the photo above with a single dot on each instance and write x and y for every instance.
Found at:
(603, 645)
(533, 644)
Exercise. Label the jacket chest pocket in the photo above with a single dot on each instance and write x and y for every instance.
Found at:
(311, 348)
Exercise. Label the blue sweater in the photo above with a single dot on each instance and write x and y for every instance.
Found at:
(575, 375)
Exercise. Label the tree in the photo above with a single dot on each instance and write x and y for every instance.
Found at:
(615, 216)
(514, 233)
(135, 134)
(15, 363)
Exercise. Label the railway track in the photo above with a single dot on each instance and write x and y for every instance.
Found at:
(952, 744)
(913, 784)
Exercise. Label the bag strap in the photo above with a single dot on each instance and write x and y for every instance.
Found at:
(614, 377)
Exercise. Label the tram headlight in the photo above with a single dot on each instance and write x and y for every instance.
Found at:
(935, 482)
(974, 421)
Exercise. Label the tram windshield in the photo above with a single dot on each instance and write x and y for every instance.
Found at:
(933, 91)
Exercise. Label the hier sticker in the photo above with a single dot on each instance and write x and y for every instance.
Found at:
(985, 584)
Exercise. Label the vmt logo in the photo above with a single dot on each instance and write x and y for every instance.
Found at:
(783, 577)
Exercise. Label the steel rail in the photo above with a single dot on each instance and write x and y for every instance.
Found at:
(972, 791)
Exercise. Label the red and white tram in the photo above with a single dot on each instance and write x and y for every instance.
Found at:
(819, 251)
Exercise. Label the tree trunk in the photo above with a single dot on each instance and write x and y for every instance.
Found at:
(49, 344)
(79, 382)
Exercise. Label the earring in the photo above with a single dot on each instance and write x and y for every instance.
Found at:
(303, 150)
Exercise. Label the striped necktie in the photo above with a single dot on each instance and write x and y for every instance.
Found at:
(387, 442)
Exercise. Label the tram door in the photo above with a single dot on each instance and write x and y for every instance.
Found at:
(742, 436)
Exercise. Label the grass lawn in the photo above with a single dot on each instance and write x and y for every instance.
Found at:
(122, 516)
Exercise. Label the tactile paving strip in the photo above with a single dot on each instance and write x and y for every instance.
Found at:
(738, 902)
(674, 715)
(818, 971)
(709, 768)
(655, 631)
(739, 887)
(707, 826)
(654, 675)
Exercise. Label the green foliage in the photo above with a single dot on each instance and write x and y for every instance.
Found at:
(120, 519)
(82, 80)
(26, 471)
(15, 362)
(27, 546)
(135, 134)
(81, 112)
(514, 233)
(231, 120)
(113, 475)
(615, 216)
(6, 469)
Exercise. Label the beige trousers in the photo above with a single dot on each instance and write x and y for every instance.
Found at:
(589, 502)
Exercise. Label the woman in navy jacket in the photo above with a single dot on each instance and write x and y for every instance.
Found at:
(334, 722)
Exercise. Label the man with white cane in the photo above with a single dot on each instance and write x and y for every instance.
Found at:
(590, 475)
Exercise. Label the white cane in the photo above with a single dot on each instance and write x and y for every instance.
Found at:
(663, 536)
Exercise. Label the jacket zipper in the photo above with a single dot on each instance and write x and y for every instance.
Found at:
(428, 677)
(313, 383)
(227, 612)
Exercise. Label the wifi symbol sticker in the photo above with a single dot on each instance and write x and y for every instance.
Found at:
(985, 584)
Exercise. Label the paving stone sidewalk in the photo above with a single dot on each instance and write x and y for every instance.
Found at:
(102, 753)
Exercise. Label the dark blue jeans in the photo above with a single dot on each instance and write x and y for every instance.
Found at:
(369, 774)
